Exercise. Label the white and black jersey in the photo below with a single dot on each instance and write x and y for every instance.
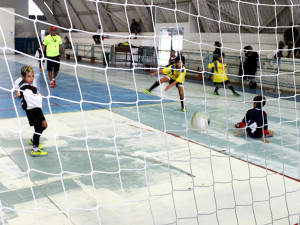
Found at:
(32, 103)
(19, 82)
(256, 122)
(29, 96)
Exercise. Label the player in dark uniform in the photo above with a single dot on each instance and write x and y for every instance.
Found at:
(255, 121)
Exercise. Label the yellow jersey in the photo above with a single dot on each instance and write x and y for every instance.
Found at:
(219, 72)
(176, 74)
(52, 44)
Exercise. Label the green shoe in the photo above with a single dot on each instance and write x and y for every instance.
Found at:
(38, 153)
(236, 94)
(183, 109)
(146, 91)
(40, 146)
(215, 93)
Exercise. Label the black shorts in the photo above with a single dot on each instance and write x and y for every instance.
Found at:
(226, 82)
(53, 65)
(35, 116)
(171, 81)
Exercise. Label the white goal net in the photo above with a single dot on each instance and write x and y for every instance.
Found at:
(118, 155)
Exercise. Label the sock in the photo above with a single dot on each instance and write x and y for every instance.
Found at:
(232, 89)
(182, 103)
(153, 86)
(216, 89)
(35, 148)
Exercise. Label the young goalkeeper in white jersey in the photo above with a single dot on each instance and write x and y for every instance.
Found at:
(32, 104)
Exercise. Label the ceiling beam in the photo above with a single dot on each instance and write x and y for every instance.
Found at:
(117, 18)
(203, 10)
(75, 20)
(271, 19)
(144, 15)
(89, 11)
(49, 16)
(106, 21)
(231, 17)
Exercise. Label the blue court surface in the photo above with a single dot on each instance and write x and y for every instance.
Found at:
(120, 148)
(67, 95)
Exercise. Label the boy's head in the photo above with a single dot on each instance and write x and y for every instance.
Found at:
(180, 61)
(27, 74)
(259, 101)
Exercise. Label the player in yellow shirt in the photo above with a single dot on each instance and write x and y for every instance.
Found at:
(175, 76)
(220, 77)
(54, 50)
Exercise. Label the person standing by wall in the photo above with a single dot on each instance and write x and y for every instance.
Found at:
(135, 28)
(290, 38)
(98, 36)
(54, 50)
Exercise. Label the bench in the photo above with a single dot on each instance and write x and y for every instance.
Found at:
(79, 57)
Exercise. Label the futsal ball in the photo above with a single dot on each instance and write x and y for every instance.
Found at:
(200, 121)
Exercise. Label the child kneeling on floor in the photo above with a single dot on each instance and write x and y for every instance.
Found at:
(255, 121)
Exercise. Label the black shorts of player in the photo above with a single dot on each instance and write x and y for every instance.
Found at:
(53, 65)
(226, 82)
(171, 81)
(35, 116)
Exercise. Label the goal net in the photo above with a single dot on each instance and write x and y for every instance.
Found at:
(118, 155)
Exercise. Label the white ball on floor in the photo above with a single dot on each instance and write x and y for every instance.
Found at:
(200, 121)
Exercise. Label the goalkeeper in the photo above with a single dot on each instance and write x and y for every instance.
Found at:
(175, 76)
(255, 121)
(32, 104)
(220, 77)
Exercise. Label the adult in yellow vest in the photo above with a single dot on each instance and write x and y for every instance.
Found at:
(54, 50)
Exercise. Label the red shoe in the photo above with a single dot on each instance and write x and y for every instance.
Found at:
(52, 84)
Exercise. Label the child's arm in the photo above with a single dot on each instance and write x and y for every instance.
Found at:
(211, 65)
(17, 94)
(32, 100)
(267, 133)
(240, 125)
(153, 74)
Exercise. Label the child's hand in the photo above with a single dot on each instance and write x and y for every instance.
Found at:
(42, 94)
(16, 95)
(239, 133)
(167, 88)
(264, 140)
(153, 74)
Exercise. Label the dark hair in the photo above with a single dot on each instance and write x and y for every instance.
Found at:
(218, 44)
(258, 100)
(182, 58)
(220, 55)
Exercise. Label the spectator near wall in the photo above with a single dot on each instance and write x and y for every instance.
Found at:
(135, 28)
(290, 38)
